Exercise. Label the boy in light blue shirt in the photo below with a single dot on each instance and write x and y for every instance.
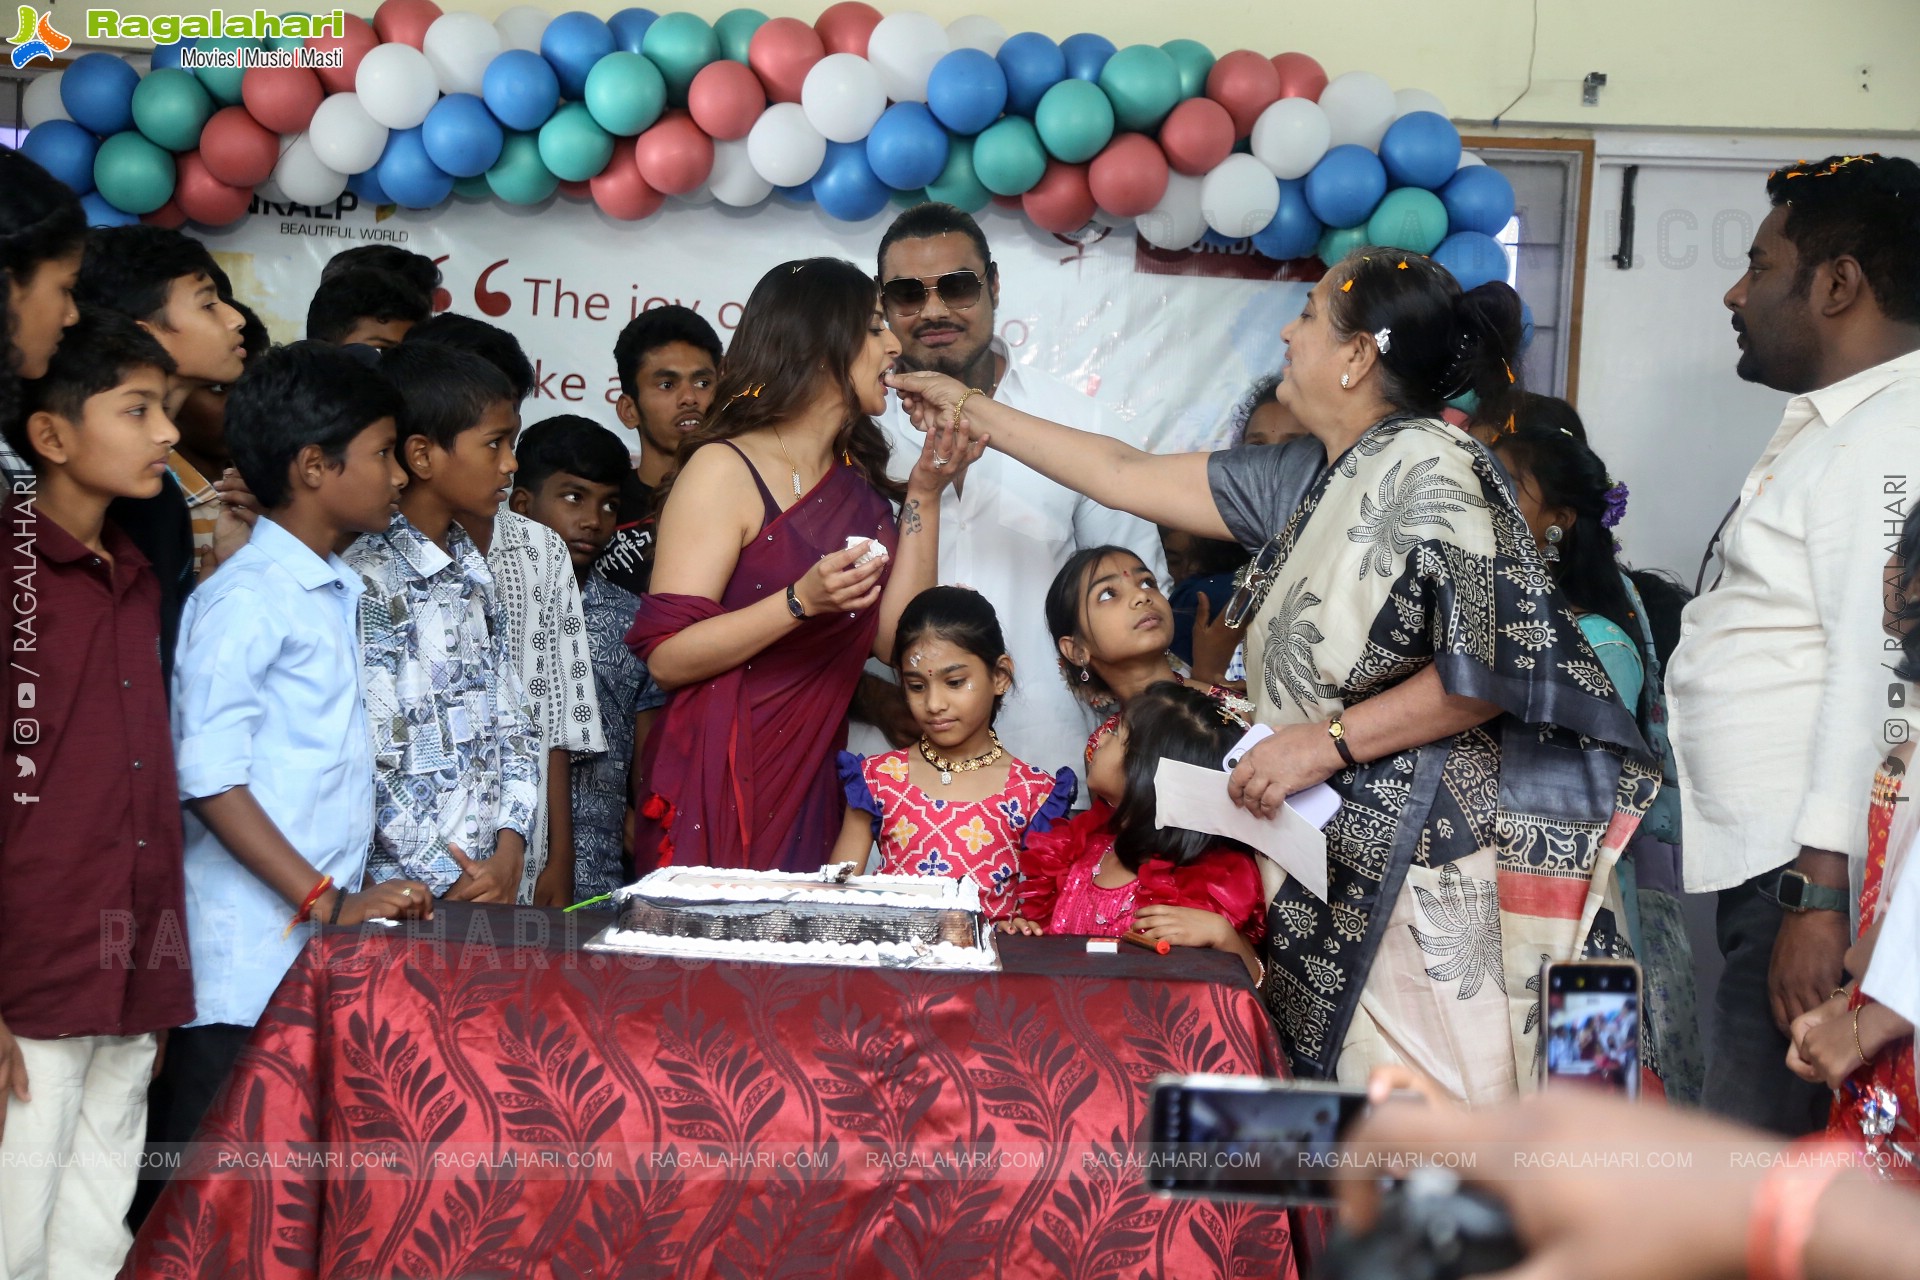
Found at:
(275, 760)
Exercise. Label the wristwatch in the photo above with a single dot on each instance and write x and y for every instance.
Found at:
(1338, 732)
(1795, 893)
(794, 606)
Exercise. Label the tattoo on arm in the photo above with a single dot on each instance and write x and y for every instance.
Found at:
(910, 517)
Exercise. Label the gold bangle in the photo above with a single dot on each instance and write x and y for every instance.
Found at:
(1857, 1048)
(962, 404)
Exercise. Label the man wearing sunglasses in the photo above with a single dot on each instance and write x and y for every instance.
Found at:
(1005, 530)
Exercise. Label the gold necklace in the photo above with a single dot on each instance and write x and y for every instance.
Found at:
(778, 439)
(948, 767)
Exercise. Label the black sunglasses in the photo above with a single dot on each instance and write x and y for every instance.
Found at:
(907, 294)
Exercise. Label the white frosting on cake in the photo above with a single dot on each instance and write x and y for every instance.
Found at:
(879, 955)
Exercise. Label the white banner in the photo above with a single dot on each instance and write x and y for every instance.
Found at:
(1170, 342)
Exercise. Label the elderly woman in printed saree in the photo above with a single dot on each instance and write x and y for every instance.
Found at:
(1408, 647)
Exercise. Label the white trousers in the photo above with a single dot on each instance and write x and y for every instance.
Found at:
(69, 1159)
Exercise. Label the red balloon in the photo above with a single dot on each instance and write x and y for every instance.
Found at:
(167, 215)
(1060, 202)
(781, 53)
(281, 98)
(1245, 83)
(674, 156)
(203, 197)
(1129, 176)
(725, 99)
(844, 27)
(237, 149)
(1197, 136)
(1011, 203)
(1300, 76)
(355, 38)
(405, 21)
(621, 192)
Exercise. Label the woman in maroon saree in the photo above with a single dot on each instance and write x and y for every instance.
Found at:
(761, 617)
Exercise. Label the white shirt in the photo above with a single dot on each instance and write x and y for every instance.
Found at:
(1893, 975)
(1006, 537)
(1779, 692)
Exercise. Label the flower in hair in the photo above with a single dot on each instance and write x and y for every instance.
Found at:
(1383, 339)
(1616, 505)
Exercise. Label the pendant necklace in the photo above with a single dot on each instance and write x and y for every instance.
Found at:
(781, 441)
(948, 767)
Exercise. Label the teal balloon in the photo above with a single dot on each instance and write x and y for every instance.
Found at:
(224, 82)
(734, 30)
(958, 184)
(1192, 60)
(1008, 157)
(1410, 219)
(1338, 242)
(133, 174)
(171, 108)
(1074, 120)
(680, 44)
(519, 177)
(1144, 83)
(625, 93)
(908, 199)
(474, 188)
(573, 146)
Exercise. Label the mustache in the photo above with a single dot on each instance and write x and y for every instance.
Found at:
(937, 327)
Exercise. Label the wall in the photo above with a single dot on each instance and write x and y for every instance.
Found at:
(1720, 64)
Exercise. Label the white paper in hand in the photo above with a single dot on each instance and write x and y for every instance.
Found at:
(1188, 796)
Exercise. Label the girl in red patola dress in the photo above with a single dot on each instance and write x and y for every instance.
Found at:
(956, 803)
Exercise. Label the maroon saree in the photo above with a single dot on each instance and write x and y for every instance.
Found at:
(740, 767)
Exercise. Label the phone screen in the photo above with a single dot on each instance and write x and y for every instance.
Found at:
(1241, 1138)
(1593, 1025)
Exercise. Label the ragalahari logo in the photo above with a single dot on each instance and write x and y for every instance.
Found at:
(36, 38)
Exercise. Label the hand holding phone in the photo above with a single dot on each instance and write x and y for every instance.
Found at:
(1592, 1025)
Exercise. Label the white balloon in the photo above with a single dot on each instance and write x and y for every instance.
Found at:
(1290, 137)
(903, 48)
(459, 46)
(396, 85)
(1360, 107)
(1467, 161)
(522, 26)
(734, 180)
(783, 146)
(303, 179)
(1176, 222)
(1408, 101)
(1239, 197)
(344, 137)
(42, 101)
(842, 97)
(977, 31)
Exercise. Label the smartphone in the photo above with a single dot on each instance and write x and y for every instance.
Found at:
(1592, 1025)
(1247, 1138)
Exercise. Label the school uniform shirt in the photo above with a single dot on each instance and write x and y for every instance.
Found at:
(267, 696)
(92, 911)
(539, 602)
(1778, 697)
(1006, 536)
(456, 752)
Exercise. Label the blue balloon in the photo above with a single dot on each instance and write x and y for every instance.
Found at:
(97, 91)
(1526, 327)
(1477, 199)
(1032, 64)
(802, 194)
(520, 89)
(367, 186)
(408, 174)
(967, 90)
(1345, 186)
(572, 43)
(1294, 231)
(167, 56)
(629, 27)
(847, 186)
(1474, 258)
(101, 214)
(907, 148)
(461, 136)
(64, 150)
(1086, 55)
(1421, 149)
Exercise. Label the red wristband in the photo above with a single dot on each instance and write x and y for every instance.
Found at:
(305, 912)
(1784, 1205)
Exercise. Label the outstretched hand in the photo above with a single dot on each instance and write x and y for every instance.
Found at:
(946, 451)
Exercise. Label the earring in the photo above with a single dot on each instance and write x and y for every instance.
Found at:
(1085, 675)
(1345, 379)
(1551, 552)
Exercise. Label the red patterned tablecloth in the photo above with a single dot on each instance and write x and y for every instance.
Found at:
(479, 1097)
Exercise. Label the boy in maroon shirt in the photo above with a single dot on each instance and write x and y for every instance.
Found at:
(93, 951)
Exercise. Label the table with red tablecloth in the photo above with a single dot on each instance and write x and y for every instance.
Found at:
(478, 1096)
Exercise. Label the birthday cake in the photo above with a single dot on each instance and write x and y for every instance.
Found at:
(822, 917)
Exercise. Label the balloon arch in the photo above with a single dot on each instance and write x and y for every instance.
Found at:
(849, 112)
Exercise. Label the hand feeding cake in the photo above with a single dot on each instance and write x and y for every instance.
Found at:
(821, 917)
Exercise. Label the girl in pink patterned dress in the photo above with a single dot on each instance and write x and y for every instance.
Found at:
(955, 804)
(1110, 871)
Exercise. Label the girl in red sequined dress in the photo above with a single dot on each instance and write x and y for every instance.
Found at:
(956, 803)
